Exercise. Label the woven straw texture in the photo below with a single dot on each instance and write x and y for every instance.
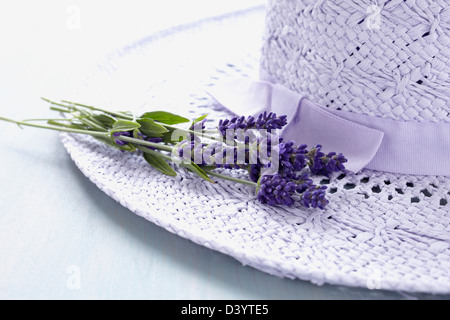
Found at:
(380, 230)
(388, 58)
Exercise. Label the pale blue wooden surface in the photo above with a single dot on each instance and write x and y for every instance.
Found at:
(62, 238)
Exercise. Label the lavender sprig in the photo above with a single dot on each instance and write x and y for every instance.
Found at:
(279, 189)
(314, 197)
(276, 190)
(152, 132)
(325, 164)
(282, 189)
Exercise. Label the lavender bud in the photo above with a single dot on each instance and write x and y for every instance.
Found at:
(314, 197)
(276, 190)
(267, 121)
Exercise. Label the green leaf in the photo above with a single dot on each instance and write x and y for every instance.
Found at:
(136, 135)
(128, 147)
(104, 119)
(151, 129)
(124, 125)
(164, 117)
(198, 120)
(197, 170)
(159, 164)
(258, 183)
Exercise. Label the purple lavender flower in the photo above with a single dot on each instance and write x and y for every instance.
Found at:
(290, 182)
(144, 137)
(197, 127)
(276, 190)
(226, 156)
(255, 171)
(270, 121)
(120, 142)
(267, 121)
(236, 123)
(286, 150)
(314, 197)
(154, 140)
(121, 133)
(303, 182)
(280, 189)
(195, 149)
(256, 166)
(230, 157)
(325, 164)
(291, 159)
(298, 157)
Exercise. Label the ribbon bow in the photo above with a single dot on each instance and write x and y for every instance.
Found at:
(405, 147)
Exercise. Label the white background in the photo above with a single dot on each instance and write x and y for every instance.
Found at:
(48, 46)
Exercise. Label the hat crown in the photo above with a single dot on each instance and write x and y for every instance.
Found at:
(390, 60)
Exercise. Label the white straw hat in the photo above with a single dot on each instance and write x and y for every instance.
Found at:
(380, 230)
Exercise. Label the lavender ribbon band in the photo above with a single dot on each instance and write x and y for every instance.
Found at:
(406, 147)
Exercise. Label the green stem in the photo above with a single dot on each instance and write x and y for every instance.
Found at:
(91, 118)
(156, 153)
(192, 132)
(208, 171)
(117, 114)
(60, 110)
(128, 117)
(202, 135)
(46, 119)
(92, 124)
(57, 104)
(59, 124)
(224, 177)
(144, 143)
(64, 129)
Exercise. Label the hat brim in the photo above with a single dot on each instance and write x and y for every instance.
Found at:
(380, 230)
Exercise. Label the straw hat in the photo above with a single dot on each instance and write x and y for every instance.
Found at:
(384, 227)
